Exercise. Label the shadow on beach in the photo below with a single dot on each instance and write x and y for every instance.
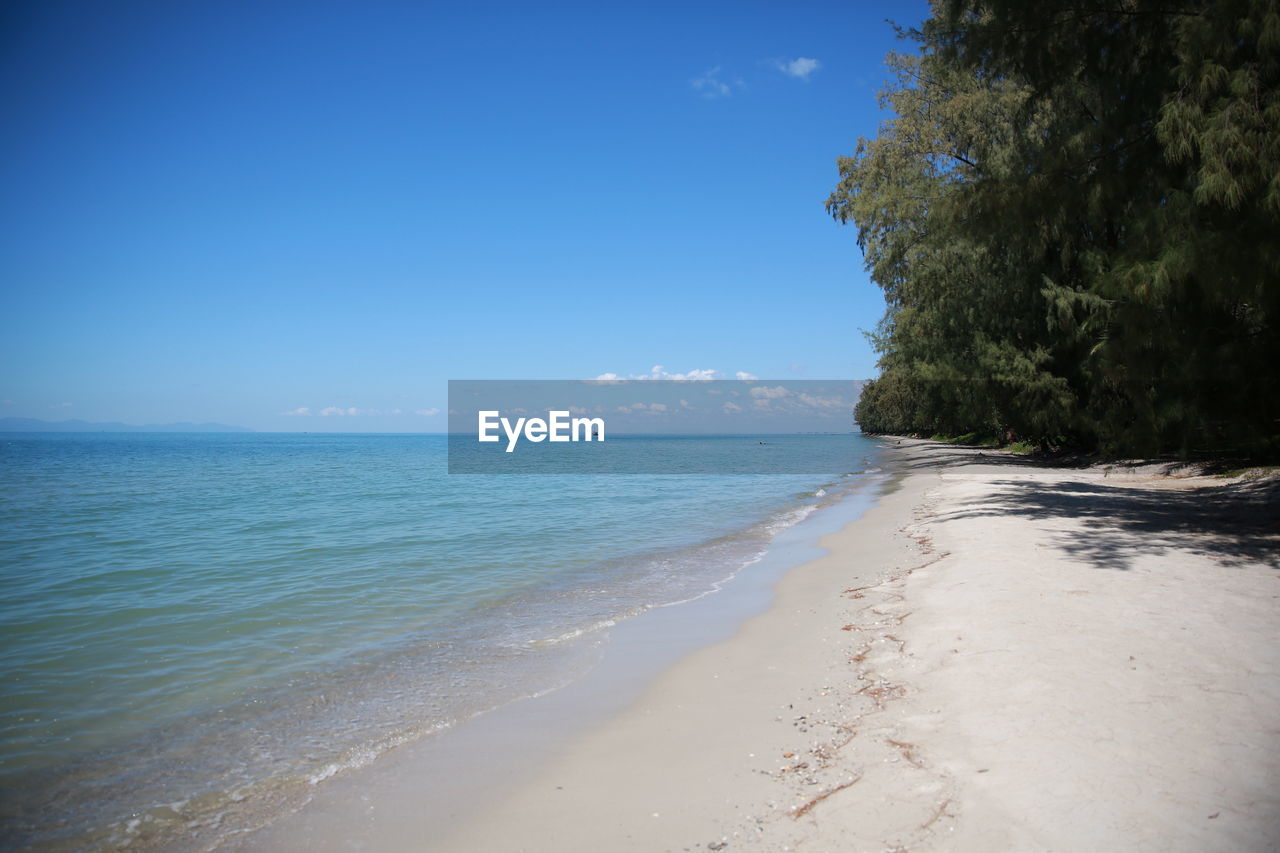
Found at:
(1235, 523)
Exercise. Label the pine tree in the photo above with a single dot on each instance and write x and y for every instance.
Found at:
(1073, 216)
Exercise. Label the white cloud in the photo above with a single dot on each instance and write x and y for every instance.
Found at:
(799, 68)
(709, 85)
(823, 402)
(427, 412)
(698, 374)
(730, 408)
(636, 407)
(59, 405)
(746, 377)
(349, 411)
(767, 393)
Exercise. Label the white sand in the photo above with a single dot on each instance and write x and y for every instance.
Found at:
(996, 657)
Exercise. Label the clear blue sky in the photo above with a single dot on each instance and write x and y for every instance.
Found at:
(227, 211)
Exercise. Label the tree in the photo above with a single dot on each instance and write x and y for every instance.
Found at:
(1069, 216)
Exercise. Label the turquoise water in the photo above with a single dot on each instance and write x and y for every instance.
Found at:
(198, 627)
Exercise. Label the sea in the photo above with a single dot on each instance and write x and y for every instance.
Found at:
(196, 629)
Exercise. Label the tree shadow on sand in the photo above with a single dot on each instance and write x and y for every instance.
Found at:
(957, 455)
(1234, 524)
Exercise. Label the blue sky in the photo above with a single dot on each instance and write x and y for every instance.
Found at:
(229, 211)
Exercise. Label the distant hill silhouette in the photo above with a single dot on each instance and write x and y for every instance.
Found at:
(37, 425)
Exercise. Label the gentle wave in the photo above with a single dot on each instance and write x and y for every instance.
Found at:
(199, 630)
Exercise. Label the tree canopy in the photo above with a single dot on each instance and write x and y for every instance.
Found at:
(1074, 215)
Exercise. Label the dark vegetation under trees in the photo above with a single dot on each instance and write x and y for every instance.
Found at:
(1075, 218)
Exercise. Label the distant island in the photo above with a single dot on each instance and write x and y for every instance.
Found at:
(37, 425)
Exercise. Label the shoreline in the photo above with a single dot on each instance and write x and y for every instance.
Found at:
(994, 656)
(481, 757)
(247, 652)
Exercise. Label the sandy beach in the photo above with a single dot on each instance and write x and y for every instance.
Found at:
(997, 656)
